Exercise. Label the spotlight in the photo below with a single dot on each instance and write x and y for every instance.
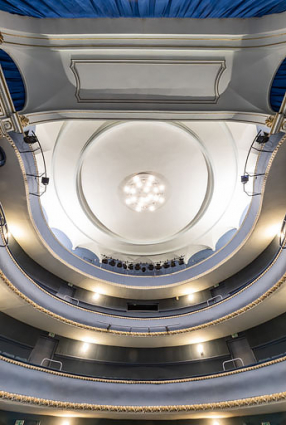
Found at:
(137, 266)
(173, 264)
(244, 179)
(45, 180)
(166, 265)
(105, 261)
(143, 269)
(151, 267)
(112, 263)
(262, 138)
(130, 266)
(119, 265)
(124, 266)
(158, 266)
(181, 261)
(30, 138)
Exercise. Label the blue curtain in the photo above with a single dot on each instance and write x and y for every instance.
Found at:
(278, 87)
(14, 80)
(143, 8)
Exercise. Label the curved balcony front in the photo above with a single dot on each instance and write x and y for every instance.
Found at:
(40, 243)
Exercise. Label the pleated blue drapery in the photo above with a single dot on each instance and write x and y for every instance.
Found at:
(14, 80)
(143, 8)
(278, 87)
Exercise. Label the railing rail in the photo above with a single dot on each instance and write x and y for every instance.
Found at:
(68, 297)
(4, 227)
(232, 360)
(282, 235)
(46, 359)
(43, 176)
(245, 177)
(213, 298)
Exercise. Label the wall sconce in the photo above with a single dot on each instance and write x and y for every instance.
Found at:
(200, 349)
(95, 296)
(85, 347)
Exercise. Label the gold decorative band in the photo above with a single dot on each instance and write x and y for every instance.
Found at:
(231, 404)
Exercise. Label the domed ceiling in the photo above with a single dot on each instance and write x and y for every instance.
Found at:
(145, 190)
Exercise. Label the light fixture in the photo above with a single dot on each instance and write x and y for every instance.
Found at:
(200, 349)
(30, 137)
(65, 422)
(95, 296)
(85, 347)
(244, 179)
(190, 297)
(144, 192)
(262, 138)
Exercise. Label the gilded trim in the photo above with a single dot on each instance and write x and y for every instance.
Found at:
(231, 404)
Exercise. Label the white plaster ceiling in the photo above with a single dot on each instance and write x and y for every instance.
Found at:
(89, 161)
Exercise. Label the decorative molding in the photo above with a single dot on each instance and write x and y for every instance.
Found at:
(42, 117)
(223, 405)
(269, 121)
(9, 119)
(200, 77)
(24, 120)
(174, 40)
